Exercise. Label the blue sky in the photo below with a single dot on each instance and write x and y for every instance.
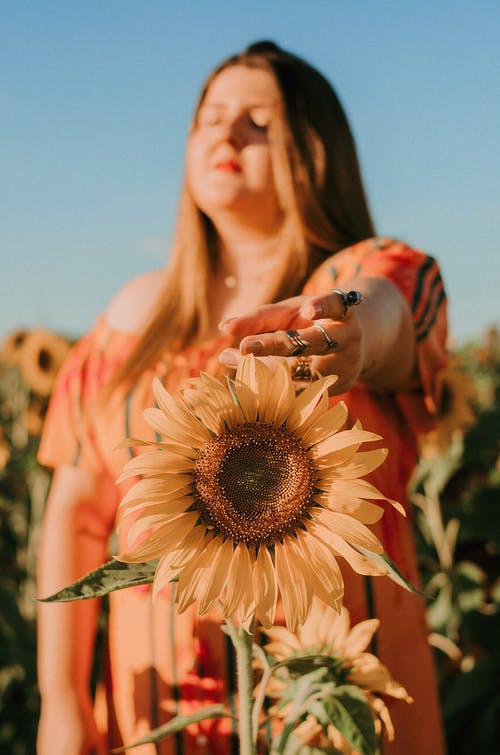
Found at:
(96, 95)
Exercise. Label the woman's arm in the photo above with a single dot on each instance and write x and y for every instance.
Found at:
(74, 541)
(374, 342)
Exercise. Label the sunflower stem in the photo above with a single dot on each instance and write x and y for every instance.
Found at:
(261, 692)
(242, 642)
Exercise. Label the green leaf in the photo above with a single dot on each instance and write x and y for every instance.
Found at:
(178, 724)
(114, 575)
(348, 710)
(382, 559)
(303, 664)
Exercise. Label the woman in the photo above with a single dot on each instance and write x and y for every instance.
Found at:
(272, 210)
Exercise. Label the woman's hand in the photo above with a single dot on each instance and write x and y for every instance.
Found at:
(329, 330)
(373, 343)
(67, 727)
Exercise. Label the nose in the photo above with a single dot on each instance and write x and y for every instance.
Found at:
(234, 132)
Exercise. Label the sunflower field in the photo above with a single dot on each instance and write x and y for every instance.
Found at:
(455, 493)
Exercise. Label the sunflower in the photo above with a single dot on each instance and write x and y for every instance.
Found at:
(12, 347)
(255, 491)
(328, 633)
(42, 355)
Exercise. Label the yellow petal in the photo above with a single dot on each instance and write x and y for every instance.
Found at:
(363, 489)
(203, 578)
(246, 394)
(156, 490)
(239, 581)
(162, 541)
(156, 514)
(360, 564)
(341, 440)
(265, 587)
(338, 631)
(282, 641)
(360, 637)
(136, 443)
(363, 511)
(199, 405)
(220, 399)
(175, 432)
(348, 528)
(307, 401)
(254, 373)
(328, 581)
(293, 582)
(181, 419)
(193, 576)
(330, 465)
(170, 499)
(331, 625)
(152, 463)
(370, 672)
(217, 576)
(329, 422)
(363, 462)
(280, 396)
(170, 565)
(382, 711)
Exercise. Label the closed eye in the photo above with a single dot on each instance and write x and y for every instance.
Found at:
(209, 115)
(259, 118)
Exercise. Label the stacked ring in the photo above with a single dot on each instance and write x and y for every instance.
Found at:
(298, 343)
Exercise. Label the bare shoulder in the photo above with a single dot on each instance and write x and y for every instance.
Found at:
(133, 305)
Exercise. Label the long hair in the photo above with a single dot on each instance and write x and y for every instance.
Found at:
(319, 185)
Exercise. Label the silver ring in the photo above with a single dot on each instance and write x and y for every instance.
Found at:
(302, 369)
(351, 299)
(298, 343)
(329, 342)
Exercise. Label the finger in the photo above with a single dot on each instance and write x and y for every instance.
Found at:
(267, 318)
(317, 339)
(334, 305)
(230, 358)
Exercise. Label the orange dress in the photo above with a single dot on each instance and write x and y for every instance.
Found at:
(162, 663)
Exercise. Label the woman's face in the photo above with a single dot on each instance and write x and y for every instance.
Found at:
(229, 167)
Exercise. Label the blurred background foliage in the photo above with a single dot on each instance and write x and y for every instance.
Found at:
(455, 493)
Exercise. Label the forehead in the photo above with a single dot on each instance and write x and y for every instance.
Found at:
(239, 83)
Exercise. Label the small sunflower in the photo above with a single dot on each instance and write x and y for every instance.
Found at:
(40, 360)
(12, 346)
(255, 491)
(328, 633)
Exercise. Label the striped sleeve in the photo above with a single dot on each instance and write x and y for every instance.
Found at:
(418, 278)
(428, 298)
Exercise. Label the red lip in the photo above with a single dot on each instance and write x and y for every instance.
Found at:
(231, 166)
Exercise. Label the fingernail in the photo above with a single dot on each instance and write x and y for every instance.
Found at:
(252, 347)
(312, 310)
(223, 323)
(228, 360)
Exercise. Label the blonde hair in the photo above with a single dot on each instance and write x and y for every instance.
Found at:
(320, 188)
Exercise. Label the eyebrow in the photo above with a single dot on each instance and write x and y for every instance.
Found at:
(249, 106)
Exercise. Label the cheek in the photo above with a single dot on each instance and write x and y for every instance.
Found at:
(261, 168)
(195, 162)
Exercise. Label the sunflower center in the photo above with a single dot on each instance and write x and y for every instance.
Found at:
(254, 485)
